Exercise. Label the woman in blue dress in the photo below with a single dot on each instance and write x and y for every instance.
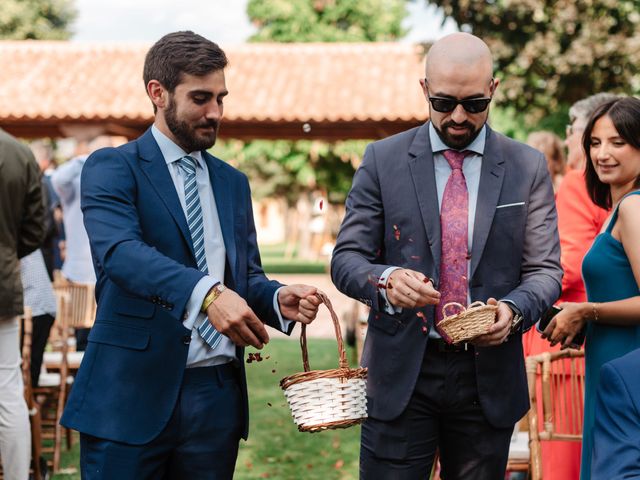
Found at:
(611, 268)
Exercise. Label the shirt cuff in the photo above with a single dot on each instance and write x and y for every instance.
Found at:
(382, 289)
(194, 304)
(276, 306)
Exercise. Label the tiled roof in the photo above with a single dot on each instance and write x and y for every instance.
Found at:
(268, 83)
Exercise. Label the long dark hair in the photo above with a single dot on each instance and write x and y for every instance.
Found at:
(625, 116)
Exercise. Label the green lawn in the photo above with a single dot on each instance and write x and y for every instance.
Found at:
(275, 448)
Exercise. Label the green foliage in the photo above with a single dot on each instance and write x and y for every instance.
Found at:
(327, 20)
(283, 168)
(515, 124)
(553, 53)
(36, 19)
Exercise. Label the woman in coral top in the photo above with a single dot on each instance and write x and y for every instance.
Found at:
(579, 221)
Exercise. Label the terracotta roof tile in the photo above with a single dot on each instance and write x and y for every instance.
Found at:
(268, 82)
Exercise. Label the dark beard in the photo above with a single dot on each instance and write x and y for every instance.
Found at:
(185, 134)
(457, 142)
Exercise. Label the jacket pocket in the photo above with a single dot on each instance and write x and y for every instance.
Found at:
(119, 336)
(134, 307)
(384, 322)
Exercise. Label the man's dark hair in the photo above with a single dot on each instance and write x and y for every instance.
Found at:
(181, 53)
(625, 116)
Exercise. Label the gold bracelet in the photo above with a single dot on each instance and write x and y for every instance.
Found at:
(595, 312)
(212, 296)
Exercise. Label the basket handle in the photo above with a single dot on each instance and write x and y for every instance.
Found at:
(452, 304)
(462, 308)
(336, 325)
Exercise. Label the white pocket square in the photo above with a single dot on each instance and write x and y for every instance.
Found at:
(507, 205)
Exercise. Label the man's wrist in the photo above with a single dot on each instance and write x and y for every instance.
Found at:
(212, 296)
(516, 320)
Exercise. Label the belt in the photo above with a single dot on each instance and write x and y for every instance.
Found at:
(226, 371)
(441, 346)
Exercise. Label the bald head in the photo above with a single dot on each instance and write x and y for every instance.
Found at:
(461, 52)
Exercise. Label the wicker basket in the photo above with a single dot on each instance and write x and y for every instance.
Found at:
(469, 323)
(326, 399)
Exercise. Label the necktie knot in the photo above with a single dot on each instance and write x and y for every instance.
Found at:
(188, 164)
(455, 158)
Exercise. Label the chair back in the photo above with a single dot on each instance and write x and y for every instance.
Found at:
(561, 396)
(82, 303)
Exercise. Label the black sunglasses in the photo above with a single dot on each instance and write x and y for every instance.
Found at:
(472, 105)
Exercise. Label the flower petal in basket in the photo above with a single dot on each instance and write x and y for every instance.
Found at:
(469, 323)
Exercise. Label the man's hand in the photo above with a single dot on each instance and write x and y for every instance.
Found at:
(411, 289)
(298, 302)
(500, 330)
(231, 316)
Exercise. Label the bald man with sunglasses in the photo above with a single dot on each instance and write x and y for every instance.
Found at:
(448, 211)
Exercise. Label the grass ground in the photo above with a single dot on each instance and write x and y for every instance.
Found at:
(275, 448)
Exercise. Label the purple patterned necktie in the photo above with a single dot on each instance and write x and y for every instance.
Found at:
(454, 219)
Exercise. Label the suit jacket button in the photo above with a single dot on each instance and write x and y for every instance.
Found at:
(186, 339)
(170, 306)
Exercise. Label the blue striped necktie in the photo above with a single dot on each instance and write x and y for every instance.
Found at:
(196, 227)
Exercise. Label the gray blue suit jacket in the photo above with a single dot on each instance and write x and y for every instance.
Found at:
(515, 255)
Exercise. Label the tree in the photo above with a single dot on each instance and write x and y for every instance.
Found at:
(327, 20)
(298, 171)
(36, 19)
(549, 53)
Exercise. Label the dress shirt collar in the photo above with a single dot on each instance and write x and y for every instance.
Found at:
(170, 151)
(477, 146)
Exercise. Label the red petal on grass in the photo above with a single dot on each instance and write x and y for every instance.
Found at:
(339, 464)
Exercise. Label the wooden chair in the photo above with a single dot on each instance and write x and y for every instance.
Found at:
(562, 400)
(34, 413)
(51, 392)
(82, 302)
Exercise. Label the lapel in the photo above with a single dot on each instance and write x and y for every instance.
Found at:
(155, 168)
(424, 181)
(221, 185)
(491, 176)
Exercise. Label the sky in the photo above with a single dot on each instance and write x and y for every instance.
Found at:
(223, 21)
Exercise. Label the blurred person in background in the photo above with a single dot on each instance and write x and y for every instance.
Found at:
(77, 266)
(51, 246)
(39, 296)
(579, 221)
(21, 232)
(551, 145)
(611, 267)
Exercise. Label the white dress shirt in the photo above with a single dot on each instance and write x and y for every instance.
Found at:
(200, 353)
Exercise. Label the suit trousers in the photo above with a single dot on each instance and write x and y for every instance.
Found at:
(15, 433)
(444, 413)
(200, 441)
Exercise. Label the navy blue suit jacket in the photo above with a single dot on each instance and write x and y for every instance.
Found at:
(131, 373)
(616, 434)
